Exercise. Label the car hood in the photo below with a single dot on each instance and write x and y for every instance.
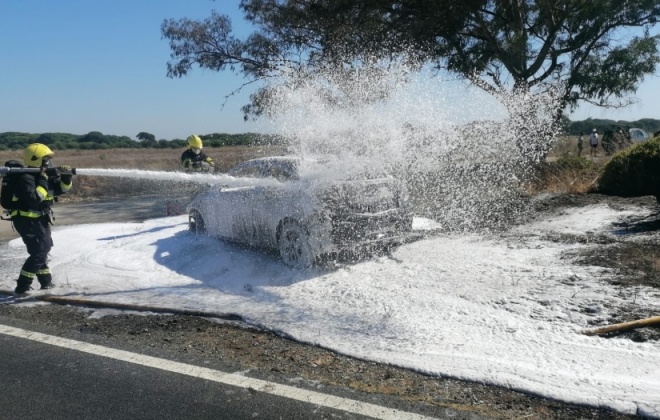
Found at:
(364, 196)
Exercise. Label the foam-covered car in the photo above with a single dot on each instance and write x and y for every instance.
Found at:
(303, 208)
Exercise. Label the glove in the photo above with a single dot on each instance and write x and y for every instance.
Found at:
(66, 178)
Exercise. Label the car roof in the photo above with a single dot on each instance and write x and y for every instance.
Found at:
(258, 161)
(292, 162)
(263, 160)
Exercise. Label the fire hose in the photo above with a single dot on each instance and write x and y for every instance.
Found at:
(92, 303)
(6, 170)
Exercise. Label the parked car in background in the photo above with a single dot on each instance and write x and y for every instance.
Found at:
(638, 134)
(292, 205)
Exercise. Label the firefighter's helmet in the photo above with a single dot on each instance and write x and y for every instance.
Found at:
(194, 141)
(34, 155)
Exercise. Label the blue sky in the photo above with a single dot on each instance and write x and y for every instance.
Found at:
(76, 66)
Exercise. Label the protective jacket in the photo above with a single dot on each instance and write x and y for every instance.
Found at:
(35, 194)
(192, 161)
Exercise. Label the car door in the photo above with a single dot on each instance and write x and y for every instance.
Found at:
(236, 218)
(272, 203)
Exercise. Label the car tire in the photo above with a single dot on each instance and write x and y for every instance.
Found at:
(294, 246)
(196, 223)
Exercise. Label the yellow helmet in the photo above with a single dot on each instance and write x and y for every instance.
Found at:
(194, 141)
(34, 154)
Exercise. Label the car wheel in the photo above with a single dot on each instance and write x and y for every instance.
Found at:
(294, 246)
(196, 223)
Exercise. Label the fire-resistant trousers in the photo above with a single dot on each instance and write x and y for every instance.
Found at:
(35, 233)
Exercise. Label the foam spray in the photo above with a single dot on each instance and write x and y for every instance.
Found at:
(463, 154)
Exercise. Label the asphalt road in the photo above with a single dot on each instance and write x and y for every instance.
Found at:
(62, 373)
(43, 381)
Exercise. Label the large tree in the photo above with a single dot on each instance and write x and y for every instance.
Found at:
(593, 50)
(144, 136)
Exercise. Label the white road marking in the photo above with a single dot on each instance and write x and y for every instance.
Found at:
(311, 397)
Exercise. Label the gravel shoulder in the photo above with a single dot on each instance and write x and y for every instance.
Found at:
(198, 340)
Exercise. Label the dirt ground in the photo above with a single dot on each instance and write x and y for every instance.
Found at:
(248, 348)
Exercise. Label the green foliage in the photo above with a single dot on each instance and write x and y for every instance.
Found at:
(650, 125)
(142, 135)
(584, 48)
(95, 140)
(633, 172)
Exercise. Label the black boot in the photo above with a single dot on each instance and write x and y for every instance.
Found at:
(22, 286)
(46, 281)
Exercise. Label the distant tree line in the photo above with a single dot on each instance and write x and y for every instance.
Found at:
(95, 140)
(650, 125)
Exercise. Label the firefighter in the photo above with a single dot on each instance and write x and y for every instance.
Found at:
(194, 159)
(32, 215)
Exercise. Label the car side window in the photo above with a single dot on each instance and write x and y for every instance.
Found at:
(247, 172)
(278, 172)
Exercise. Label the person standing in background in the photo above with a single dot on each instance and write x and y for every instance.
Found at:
(580, 143)
(593, 142)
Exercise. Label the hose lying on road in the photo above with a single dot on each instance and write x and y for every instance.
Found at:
(63, 300)
(77, 301)
(624, 326)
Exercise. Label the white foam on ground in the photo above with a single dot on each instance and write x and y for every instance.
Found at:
(505, 310)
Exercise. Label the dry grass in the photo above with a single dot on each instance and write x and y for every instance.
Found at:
(150, 159)
(567, 145)
(563, 171)
(89, 188)
(554, 177)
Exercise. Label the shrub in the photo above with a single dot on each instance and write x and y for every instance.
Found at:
(634, 172)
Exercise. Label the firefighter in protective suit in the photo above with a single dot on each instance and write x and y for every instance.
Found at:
(32, 214)
(194, 159)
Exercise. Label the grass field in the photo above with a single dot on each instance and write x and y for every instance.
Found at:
(150, 159)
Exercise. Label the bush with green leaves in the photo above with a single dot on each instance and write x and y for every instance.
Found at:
(633, 172)
(95, 140)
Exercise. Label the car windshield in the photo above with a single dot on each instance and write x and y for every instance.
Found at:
(280, 169)
(285, 169)
(334, 169)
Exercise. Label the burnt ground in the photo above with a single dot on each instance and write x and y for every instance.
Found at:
(637, 264)
(191, 338)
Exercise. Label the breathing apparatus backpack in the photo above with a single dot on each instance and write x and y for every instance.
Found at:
(9, 182)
